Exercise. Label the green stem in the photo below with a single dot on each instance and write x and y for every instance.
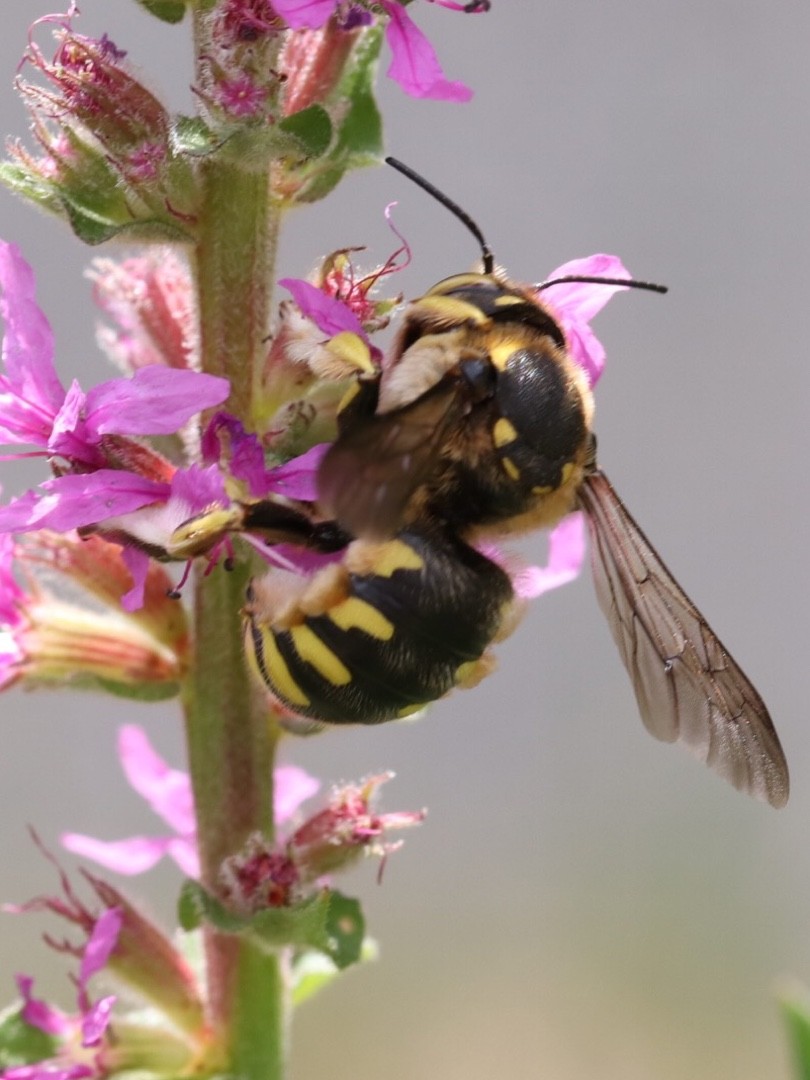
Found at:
(231, 741)
(238, 229)
(231, 746)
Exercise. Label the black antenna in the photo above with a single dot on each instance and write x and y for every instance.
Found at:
(462, 215)
(629, 283)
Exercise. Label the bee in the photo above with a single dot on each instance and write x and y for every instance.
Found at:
(480, 426)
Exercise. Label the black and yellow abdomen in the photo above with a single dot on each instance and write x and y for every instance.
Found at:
(400, 623)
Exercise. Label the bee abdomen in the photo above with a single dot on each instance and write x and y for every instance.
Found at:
(419, 611)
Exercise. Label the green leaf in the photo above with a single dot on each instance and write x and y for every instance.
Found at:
(191, 135)
(345, 927)
(94, 229)
(358, 134)
(796, 1014)
(328, 921)
(22, 1043)
(170, 11)
(28, 186)
(157, 691)
(311, 128)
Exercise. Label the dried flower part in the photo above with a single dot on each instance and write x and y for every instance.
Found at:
(266, 875)
(239, 77)
(109, 162)
(348, 827)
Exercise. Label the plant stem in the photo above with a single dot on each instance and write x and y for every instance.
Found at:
(231, 741)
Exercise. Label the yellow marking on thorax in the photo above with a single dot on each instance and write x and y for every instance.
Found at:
(503, 432)
(276, 674)
(511, 468)
(396, 555)
(451, 310)
(500, 352)
(357, 614)
(457, 281)
(311, 649)
(509, 299)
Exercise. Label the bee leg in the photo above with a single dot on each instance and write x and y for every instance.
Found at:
(279, 523)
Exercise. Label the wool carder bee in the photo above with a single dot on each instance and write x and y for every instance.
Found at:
(480, 425)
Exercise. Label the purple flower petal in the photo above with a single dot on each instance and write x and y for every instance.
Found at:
(39, 1013)
(48, 1070)
(166, 790)
(291, 787)
(71, 502)
(97, 1020)
(297, 478)
(137, 562)
(225, 436)
(300, 14)
(581, 300)
(328, 313)
(155, 401)
(414, 64)
(575, 303)
(100, 944)
(28, 342)
(566, 554)
(184, 853)
(68, 435)
(132, 856)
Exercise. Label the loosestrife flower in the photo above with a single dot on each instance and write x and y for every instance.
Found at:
(126, 946)
(61, 618)
(414, 63)
(168, 793)
(80, 1039)
(261, 875)
(108, 476)
(266, 875)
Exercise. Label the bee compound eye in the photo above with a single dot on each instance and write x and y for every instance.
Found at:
(481, 377)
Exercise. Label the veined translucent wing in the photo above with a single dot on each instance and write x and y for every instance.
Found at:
(688, 687)
(368, 476)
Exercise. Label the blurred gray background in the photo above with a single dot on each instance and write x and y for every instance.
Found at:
(582, 901)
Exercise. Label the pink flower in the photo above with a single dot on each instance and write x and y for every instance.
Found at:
(86, 431)
(150, 298)
(80, 1037)
(566, 554)
(330, 315)
(265, 875)
(60, 616)
(168, 793)
(576, 303)
(414, 63)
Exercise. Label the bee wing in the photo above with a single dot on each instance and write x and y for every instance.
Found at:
(689, 689)
(370, 473)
